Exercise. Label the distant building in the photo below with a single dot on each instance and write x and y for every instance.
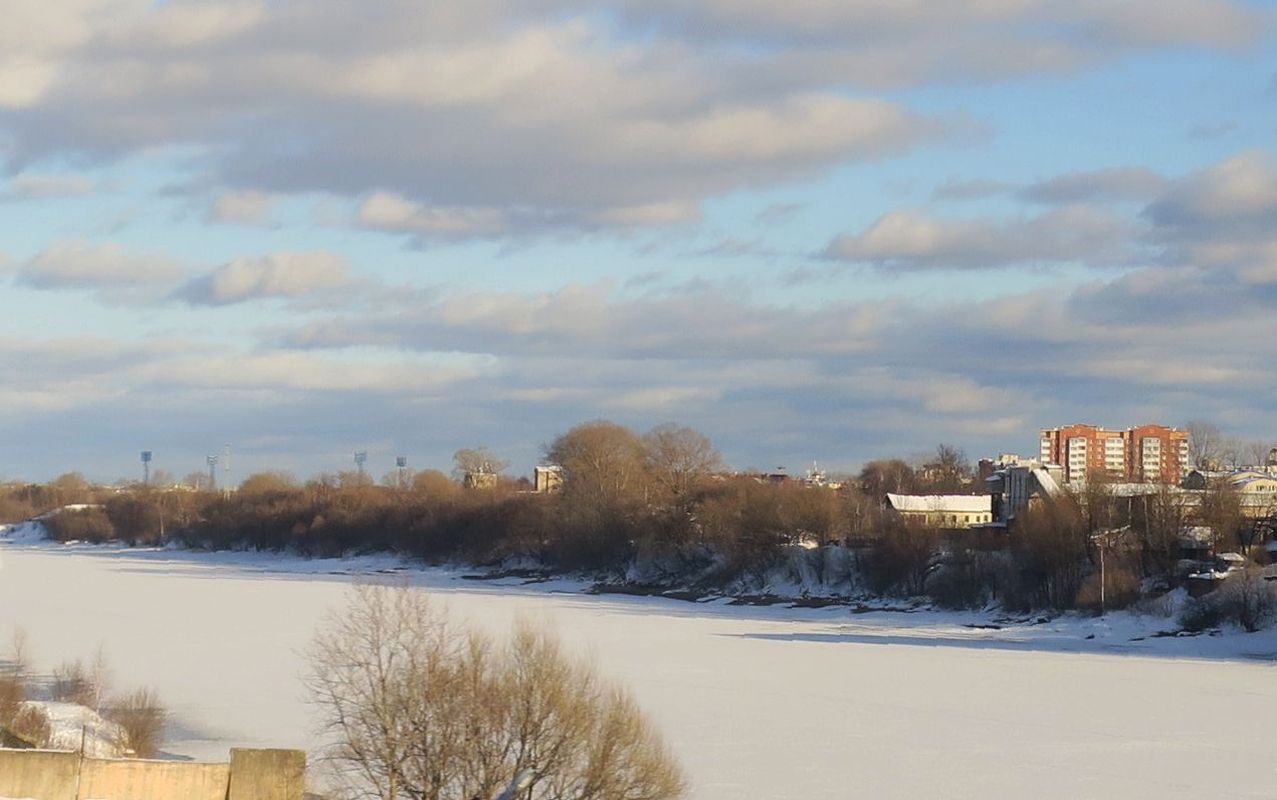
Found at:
(1018, 487)
(943, 510)
(987, 467)
(547, 478)
(480, 480)
(1144, 454)
(1256, 488)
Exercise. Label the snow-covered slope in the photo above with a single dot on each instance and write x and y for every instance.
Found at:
(28, 532)
(71, 725)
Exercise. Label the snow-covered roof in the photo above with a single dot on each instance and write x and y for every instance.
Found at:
(942, 503)
(1048, 483)
(1144, 489)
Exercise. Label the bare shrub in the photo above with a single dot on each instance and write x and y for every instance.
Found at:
(1245, 599)
(73, 682)
(87, 524)
(31, 726)
(13, 692)
(1049, 545)
(900, 560)
(141, 717)
(417, 707)
(1121, 589)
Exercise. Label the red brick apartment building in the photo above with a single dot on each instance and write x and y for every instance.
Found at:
(1144, 454)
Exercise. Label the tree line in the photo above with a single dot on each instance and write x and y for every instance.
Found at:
(661, 505)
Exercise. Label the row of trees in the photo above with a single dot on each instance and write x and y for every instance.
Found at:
(1211, 448)
(660, 501)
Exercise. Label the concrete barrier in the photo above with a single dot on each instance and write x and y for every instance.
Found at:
(101, 779)
(39, 774)
(267, 775)
(251, 775)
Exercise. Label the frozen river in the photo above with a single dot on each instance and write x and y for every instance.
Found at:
(757, 702)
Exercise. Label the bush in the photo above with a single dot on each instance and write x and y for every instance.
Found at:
(1121, 589)
(13, 692)
(31, 725)
(1245, 600)
(967, 578)
(83, 525)
(140, 716)
(901, 558)
(74, 683)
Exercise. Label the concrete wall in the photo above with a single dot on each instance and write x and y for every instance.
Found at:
(39, 774)
(152, 780)
(251, 775)
(267, 774)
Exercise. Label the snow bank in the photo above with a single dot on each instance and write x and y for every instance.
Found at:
(28, 532)
(71, 724)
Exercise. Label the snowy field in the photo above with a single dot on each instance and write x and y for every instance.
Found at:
(757, 702)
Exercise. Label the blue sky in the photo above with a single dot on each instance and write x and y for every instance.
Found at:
(833, 231)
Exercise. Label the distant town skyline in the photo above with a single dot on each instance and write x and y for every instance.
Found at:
(812, 231)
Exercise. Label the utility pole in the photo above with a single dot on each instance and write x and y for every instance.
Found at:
(226, 468)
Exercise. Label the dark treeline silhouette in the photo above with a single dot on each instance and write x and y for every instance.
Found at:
(659, 508)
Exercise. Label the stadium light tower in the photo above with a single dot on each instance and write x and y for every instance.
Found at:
(146, 467)
(360, 457)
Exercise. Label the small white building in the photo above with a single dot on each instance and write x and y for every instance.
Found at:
(944, 510)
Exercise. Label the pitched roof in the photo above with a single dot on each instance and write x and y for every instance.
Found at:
(942, 503)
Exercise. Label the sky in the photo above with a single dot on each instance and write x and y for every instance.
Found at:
(823, 230)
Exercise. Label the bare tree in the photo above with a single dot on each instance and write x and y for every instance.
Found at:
(1204, 441)
(1221, 511)
(603, 464)
(887, 475)
(1159, 520)
(265, 483)
(477, 461)
(198, 481)
(1231, 451)
(949, 470)
(1256, 452)
(679, 457)
(415, 707)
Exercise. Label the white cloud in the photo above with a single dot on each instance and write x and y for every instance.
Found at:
(473, 116)
(78, 264)
(912, 240)
(1237, 196)
(393, 212)
(278, 275)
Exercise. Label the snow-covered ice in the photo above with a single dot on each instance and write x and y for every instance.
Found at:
(765, 702)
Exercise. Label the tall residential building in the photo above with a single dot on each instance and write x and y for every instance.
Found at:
(1144, 454)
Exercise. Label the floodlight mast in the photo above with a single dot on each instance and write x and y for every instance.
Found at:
(360, 457)
(146, 467)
